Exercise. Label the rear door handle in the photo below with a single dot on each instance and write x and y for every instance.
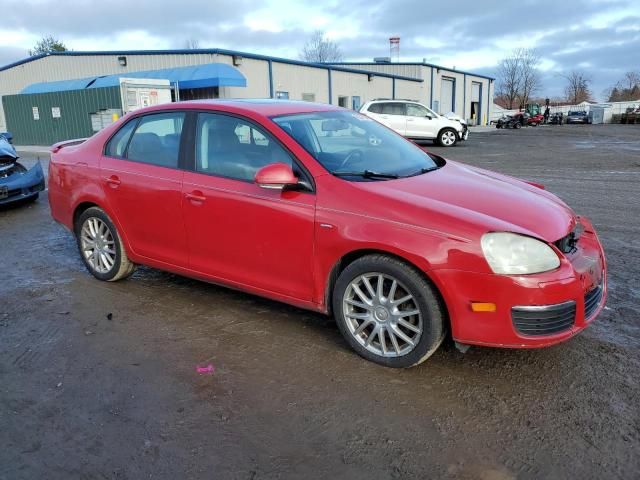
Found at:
(195, 196)
(113, 181)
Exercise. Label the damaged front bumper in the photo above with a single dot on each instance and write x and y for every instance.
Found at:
(19, 183)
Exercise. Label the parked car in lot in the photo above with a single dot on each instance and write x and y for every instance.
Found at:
(416, 121)
(326, 209)
(17, 183)
(578, 117)
(556, 119)
(535, 120)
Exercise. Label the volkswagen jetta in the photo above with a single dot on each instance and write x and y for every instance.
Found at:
(326, 209)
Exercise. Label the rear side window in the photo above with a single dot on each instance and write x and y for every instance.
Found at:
(118, 143)
(156, 140)
(393, 108)
(375, 108)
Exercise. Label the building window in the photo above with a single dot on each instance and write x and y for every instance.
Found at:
(343, 102)
(309, 97)
(355, 103)
(282, 95)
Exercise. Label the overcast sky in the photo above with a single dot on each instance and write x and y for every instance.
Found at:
(601, 38)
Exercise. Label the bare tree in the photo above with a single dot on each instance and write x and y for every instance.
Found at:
(48, 44)
(518, 77)
(319, 49)
(192, 43)
(577, 89)
(626, 89)
(509, 80)
(530, 76)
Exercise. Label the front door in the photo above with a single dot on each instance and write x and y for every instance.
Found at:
(420, 122)
(238, 231)
(143, 186)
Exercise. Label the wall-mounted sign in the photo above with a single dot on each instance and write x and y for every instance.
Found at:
(55, 112)
(36, 113)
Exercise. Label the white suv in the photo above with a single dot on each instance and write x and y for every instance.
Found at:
(414, 120)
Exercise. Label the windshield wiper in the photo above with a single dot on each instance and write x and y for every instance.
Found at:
(422, 170)
(366, 174)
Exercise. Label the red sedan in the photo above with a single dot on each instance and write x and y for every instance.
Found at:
(326, 209)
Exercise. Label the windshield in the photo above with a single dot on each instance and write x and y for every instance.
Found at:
(349, 144)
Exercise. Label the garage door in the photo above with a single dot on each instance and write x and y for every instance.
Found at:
(446, 96)
(475, 92)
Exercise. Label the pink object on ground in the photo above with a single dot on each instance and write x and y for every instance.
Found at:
(205, 370)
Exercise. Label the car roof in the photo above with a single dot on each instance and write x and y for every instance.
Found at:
(262, 106)
(393, 100)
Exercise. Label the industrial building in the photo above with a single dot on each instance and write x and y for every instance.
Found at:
(62, 95)
(468, 95)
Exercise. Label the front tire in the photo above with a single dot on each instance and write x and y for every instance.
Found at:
(387, 312)
(100, 246)
(447, 137)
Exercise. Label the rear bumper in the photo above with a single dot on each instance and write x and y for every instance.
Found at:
(531, 310)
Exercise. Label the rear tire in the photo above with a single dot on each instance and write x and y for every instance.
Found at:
(100, 246)
(517, 126)
(387, 312)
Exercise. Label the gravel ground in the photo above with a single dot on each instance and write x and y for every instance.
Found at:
(98, 380)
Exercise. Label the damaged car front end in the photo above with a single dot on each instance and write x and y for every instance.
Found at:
(16, 181)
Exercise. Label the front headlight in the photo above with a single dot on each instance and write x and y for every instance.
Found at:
(513, 254)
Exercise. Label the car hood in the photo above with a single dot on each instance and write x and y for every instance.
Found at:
(474, 201)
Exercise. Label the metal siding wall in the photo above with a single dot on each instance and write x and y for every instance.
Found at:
(411, 91)
(413, 71)
(350, 84)
(256, 73)
(297, 80)
(74, 122)
(380, 87)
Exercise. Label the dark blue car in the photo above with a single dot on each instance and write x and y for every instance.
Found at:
(17, 182)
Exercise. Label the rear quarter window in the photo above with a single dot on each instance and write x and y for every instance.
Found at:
(375, 108)
(117, 146)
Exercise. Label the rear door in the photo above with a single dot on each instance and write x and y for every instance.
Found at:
(238, 231)
(142, 180)
(420, 122)
(394, 116)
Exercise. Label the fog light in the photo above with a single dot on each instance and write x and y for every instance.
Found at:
(483, 307)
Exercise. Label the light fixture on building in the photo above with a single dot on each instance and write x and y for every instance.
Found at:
(237, 60)
(122, 61)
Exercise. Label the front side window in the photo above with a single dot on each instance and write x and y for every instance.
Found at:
(352, 145)
(235, 148)
(415, 110)
(118, 143)
(156, 140)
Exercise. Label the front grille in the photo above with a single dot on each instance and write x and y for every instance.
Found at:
(592, 300)
(544, 320)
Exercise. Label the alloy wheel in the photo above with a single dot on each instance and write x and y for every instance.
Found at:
(98, 245)
(448, 138)
(382, 315)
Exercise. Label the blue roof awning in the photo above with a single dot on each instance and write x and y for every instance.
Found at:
(196, 76)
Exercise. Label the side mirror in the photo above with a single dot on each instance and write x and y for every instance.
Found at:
(276, 176)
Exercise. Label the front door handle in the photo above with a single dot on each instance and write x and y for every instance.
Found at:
(113, 181)
(195, 196)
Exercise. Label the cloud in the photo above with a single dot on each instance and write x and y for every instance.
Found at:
(600, 37)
